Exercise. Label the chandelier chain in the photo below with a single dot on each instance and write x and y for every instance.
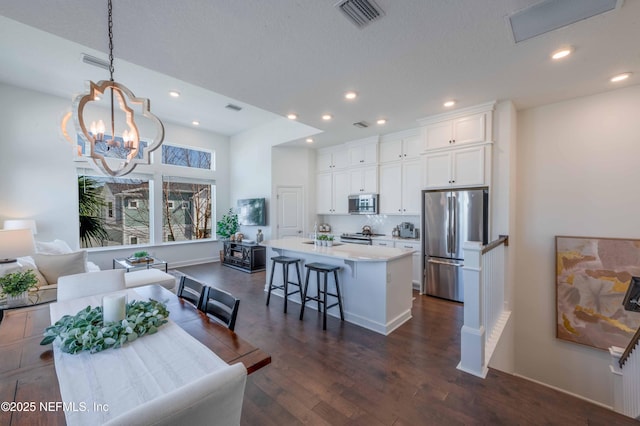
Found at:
(111, 69)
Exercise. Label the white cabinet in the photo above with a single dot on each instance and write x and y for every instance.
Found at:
(458, 167)
(330, 159)
(363, 154)
(382, 243)
(401, 149)
(363, 180)
(455, 132)
(417, 261)
(332, 193)
(400, 187)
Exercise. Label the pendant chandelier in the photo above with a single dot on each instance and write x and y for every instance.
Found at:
(121, 147)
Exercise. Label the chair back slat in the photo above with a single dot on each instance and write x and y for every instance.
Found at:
(220, 305)
(191, 290)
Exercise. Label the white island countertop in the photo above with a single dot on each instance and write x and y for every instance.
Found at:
(352, 252)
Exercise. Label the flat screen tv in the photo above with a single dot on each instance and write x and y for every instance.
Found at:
(252, 212)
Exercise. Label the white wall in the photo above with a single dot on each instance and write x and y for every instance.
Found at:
(577, 175)
(39, 180)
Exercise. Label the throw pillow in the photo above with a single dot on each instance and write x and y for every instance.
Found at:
(53, 266)
(53, 247)
(27, 263)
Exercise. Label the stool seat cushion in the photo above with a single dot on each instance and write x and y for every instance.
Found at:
(149, 276)
(285, 259)
(316, 266)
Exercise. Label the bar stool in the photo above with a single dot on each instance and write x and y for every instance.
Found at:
(285, 261)
(321, 295)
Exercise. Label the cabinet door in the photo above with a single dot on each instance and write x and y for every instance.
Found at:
(340, 158)
(382, 243)
(411, 187)
(390, 184)
(323, 162)
(370, 180)
(438, 135)
(370, 153)
(355, 181)
(362, 155)
(341, 192)
(391, 151)
(468, 166)
(412, 147)
(437, 169)
(324, 193)
(469, 129)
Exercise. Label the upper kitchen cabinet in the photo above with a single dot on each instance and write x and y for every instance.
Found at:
(398, 146)
(363, 152)
(332, 191)
(333, 158)
(400, 188)
(363, 180)
(457, 167)
(471, 125)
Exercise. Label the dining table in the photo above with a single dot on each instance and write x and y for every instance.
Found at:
(29, 387)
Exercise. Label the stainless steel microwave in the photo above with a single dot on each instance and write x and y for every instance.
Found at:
(363, 204)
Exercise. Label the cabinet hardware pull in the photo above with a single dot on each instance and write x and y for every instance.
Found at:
(454, 141)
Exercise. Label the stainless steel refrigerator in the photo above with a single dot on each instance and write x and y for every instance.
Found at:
(451, 217)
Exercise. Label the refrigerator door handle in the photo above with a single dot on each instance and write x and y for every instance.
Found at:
(449, 225)
(454, 224)
(440, 262)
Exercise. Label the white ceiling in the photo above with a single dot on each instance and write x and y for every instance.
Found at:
(280, 56)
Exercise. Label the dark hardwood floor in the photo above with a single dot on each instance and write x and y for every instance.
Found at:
(350, 375)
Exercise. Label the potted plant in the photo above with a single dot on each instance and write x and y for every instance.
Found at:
(226, 227)
(16, 284)
(330, 240)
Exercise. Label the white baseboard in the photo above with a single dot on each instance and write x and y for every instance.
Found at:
(192, 262)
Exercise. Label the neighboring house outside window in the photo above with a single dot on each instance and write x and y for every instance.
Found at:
(187, 203)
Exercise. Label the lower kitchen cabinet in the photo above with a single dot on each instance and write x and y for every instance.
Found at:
(417, 258)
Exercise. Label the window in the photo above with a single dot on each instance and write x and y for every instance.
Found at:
(98, 227)
(187, 157)
(193, 221)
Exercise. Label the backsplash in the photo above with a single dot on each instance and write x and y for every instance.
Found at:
(380, 224)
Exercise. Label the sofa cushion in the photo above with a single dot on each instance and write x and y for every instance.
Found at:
(149, 276)
(53, 266)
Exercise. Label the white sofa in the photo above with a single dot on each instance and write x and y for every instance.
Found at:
(55, 258)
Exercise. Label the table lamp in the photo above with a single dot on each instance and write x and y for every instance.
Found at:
(21, 224)
(15, 243)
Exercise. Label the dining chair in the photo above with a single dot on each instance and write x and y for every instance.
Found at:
(191, 290)
(90, 283)
(213, 399)
(220, 305)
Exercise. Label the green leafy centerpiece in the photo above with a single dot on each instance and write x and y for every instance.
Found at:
(140, 256)
(86, 331)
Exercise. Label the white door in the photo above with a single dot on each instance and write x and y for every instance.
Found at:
(290, 211)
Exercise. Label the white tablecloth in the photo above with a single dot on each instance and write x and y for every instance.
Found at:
(126, 377)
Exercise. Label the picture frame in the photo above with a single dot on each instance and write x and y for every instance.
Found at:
(593, 276)
(631, 300)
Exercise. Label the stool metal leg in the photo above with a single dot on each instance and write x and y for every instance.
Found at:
(304, 294)
(318, 289)
(324, 302)
(285, 273)
(299, 279)
(273, 267)
(335, 275)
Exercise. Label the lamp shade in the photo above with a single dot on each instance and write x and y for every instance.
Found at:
(15, 243)
(21, 224)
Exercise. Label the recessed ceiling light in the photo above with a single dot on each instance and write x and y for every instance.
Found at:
(195, 122)
(327, 117)
(174, 94)
(449, 104)
(350, 95)
(292, 116)
(309, 140)
(562, 52)
(381, 121)
(620, 77)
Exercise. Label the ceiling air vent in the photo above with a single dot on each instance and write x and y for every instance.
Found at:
(360, 12)
(361, 124)
(96, 62)
(233, 107)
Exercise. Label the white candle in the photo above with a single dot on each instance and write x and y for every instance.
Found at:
(114, 307)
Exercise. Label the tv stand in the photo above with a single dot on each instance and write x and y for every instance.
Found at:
(244, 257)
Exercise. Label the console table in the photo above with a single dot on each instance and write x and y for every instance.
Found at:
(245, 257)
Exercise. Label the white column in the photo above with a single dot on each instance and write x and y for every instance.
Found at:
(472, 336)
(617, 381)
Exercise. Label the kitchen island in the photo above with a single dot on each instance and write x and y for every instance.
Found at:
(375, 281)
